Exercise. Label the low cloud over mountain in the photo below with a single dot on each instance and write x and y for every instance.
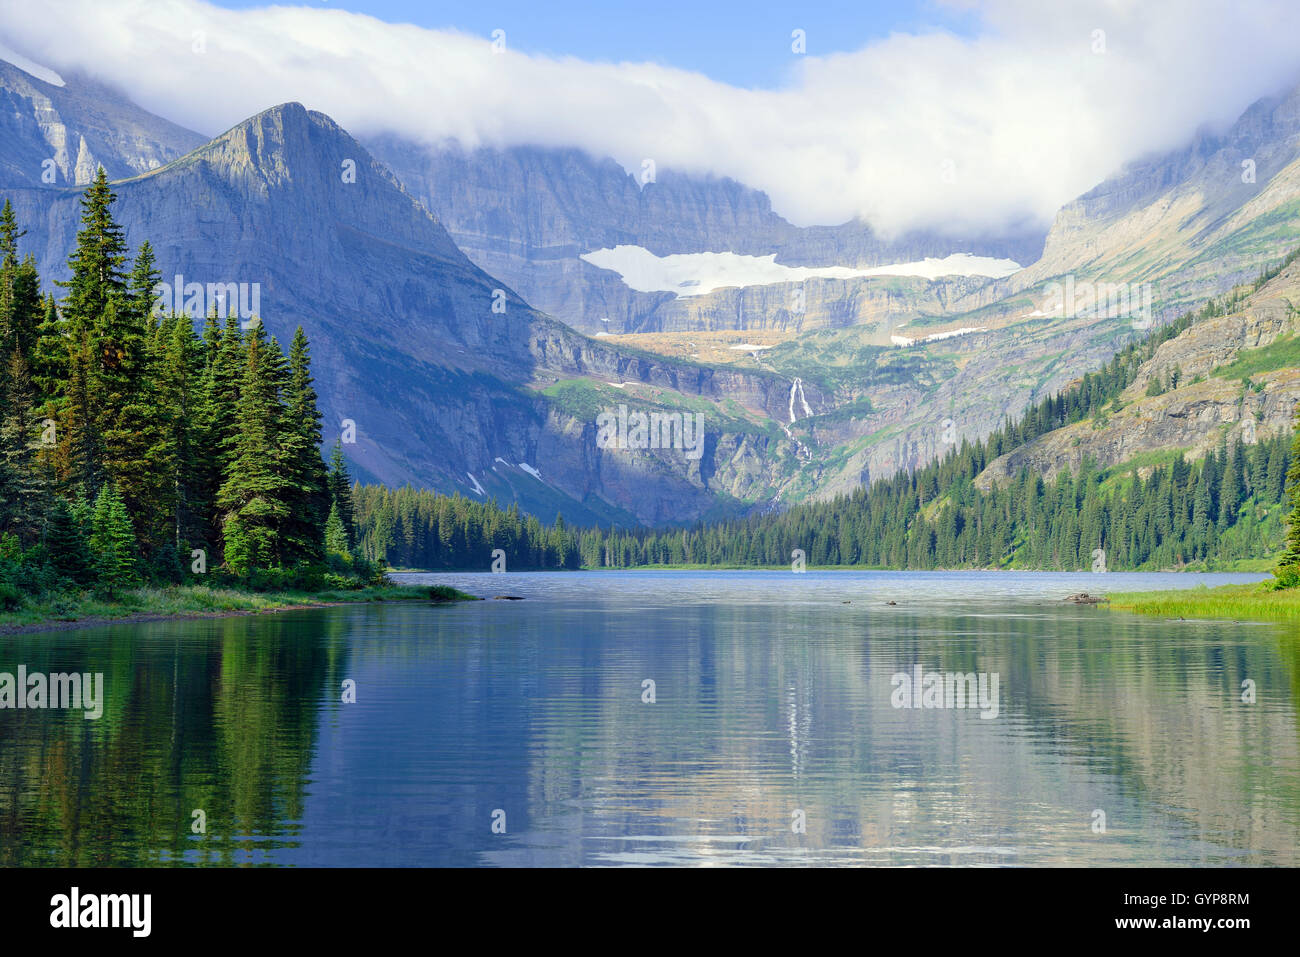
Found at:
(914, 131)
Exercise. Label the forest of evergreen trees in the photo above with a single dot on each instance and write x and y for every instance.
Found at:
(1230, 505)
(134, 450)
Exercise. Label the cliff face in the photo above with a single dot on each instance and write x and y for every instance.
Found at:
(527, 214)
(59, 136)
(1237, 381)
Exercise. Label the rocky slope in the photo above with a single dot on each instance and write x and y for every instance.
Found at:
(1191, 223)
(1231, 378)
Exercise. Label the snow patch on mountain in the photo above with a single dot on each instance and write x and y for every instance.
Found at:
(697, 274)
(29, 67)
(963, 331)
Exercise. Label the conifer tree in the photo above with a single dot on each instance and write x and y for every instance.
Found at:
(129, 425)
(336, 539)
(96, 261)
(177, 375)
(77, 450)
(50, 356)
(65, 541)
(216, 419)
(141, 284)
(20, 291)
(252, 497)
(112, 541)
(302, 465)
(23, 493)
(340, 487)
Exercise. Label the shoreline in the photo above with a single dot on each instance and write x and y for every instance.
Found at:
(272, 603)
(835, 568)
(59, 624)
(1223, 603)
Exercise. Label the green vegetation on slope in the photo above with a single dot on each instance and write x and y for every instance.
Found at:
(1282, 354)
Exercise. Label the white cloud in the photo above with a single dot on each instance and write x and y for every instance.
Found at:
(913, 131)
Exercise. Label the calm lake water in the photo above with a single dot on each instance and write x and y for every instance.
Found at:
(777, 733)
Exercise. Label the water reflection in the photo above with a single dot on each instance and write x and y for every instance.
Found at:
(770, 699)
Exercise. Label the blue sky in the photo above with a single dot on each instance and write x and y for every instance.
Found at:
(745, 44)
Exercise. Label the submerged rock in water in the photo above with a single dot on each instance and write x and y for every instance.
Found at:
(507, 597)
(1083, 598)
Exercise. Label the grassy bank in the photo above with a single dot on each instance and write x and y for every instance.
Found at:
(202, 601)
(1236, 602)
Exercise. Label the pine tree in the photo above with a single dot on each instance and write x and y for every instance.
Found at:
(1230, 488)
(140, 288)
(302, 465)
(23, 492)
(66, 544)
(77, 450)
(340, 488)
(252, 498)
(336, 539)
(216, 420)
(49, 365)
(96, 261)
(130, 428)
(177, 371)
(20, 291)
(112, 541)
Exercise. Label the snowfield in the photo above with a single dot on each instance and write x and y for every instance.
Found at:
(697, 274)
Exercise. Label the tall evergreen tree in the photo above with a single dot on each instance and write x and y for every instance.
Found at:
(97, 260)
(23, 492)
(340, 487)
(141, 284)
(302, 465)
(20, 291)
(252, 499)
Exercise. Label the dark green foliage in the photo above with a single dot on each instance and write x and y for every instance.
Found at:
(112, 542)
(1288, 572)
(336, 536)
(340, 494)
(181, 443)
(252, 501)
(96, 262)
(409, 528)
(65, 542)
(303, 470)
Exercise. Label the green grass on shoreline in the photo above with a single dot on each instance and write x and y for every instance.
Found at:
(199, 601)
(1236, 602)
